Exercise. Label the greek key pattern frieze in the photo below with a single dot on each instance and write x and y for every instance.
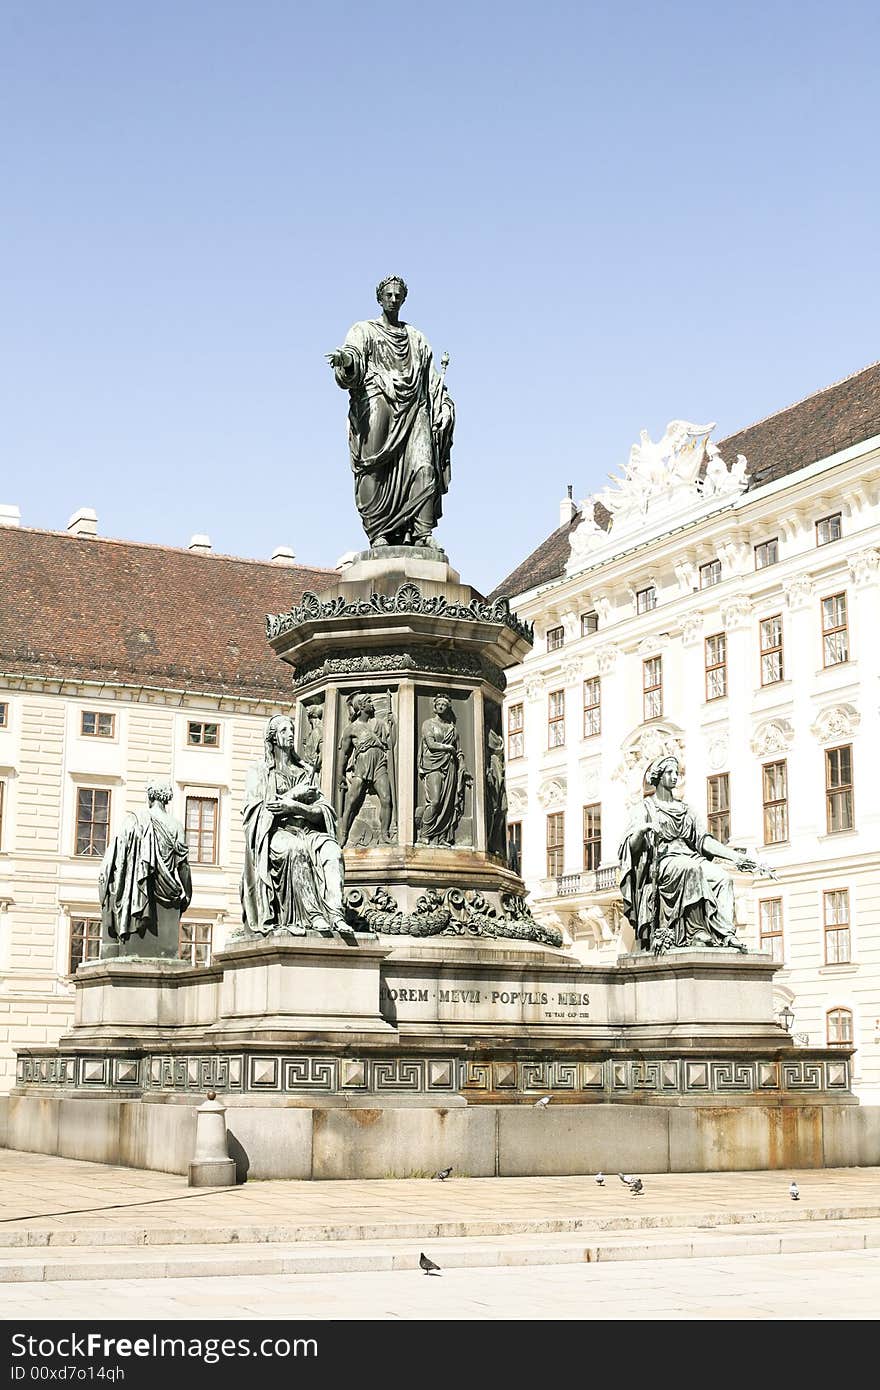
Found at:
(513, 1077)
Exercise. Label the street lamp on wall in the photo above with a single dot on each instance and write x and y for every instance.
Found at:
(786, 1017)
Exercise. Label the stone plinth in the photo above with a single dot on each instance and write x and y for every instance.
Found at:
(363, 1060)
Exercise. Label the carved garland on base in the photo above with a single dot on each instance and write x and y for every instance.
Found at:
(408, 599)
(456, 912)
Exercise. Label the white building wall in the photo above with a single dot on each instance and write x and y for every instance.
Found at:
(44, 886)
(812, 709)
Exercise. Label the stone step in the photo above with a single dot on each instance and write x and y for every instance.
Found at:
(37, 1233)
(174, 1261)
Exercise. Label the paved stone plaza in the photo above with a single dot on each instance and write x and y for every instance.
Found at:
(814, 1287)
(716, 1245)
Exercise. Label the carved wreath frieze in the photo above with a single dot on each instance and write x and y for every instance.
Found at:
(408, 599)
(456, 912)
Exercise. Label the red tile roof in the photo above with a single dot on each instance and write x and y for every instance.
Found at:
(820, 425)
(121, 611)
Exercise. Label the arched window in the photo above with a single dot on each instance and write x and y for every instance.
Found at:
(839, 1026)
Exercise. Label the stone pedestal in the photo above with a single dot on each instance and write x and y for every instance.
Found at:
(399, 626)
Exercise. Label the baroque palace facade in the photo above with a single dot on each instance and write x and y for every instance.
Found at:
(121, 663)
(721, 602)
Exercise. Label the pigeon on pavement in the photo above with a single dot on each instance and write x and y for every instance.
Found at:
(428, 1265)
(540, 1104)
(794, 1191)
(634, 1184)
(443, 1174)
(600, 1179)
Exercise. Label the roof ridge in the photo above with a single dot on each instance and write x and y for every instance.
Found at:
(174, 549)
(811, 396)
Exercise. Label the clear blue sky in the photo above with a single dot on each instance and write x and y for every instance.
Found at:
(611, 215)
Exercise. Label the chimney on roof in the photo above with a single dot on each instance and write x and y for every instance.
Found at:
(200, 545)
(9, 515)
(567, 507)
(84, 524)
(283, 555)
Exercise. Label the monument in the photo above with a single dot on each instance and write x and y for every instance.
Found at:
(389, 1004)
(144, 883)
(674, 893)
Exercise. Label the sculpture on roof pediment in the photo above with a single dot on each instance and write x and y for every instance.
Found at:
(718, 479)
(671, 466)
(587, 536)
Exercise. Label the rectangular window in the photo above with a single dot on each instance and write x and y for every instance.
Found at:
(835, 638)
(839, 1027)
(515, 732)
(556, 719)
(775, 785)
(839, 811)
(201, 829)
(646, 599)
(555, 638)
(718, 806)
(837, 939)
(97, 725)
(770, 927)
(514, 846)
(716, 666)
(203, 735)
(555, 844)
(589, 623)
(767, 553)
(710, 574)
(4, 714)
(194, 942)
(652, 687)
(772, 668)
(592, 836)
(92, 821)
(592, 709)
(829, 529)
(85, 941)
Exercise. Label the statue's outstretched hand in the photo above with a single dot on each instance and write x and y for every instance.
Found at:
(338, 358)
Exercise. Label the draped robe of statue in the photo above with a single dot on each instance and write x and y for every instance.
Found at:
(440, 771)
(293, 875)
(673, 895)
(145, 882)
(400, 424)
